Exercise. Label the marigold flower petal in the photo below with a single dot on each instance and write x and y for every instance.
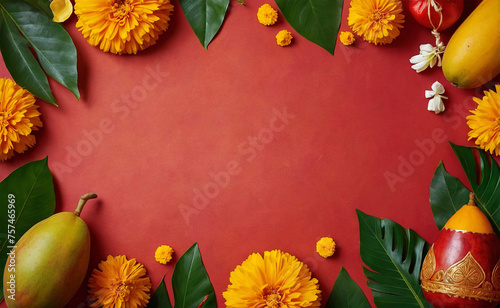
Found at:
(19, 117)
(484, 121)
(325, 247)
(284, 38)
(267, 15)
(276, 280)
(122, 26)
(376, 21)
(119, 283)
(163, 254)
(62, 10)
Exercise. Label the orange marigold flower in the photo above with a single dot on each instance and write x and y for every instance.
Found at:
(163, 254)
(276, 280)
(485, 121)
(119, 283)
(346, 37)
(19, 117)
(267, 15)
(325, 247)
(377, 21)
(284, 38)
(122, 26)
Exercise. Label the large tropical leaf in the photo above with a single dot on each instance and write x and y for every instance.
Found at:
(393, 257)
(32, 190)
(316, 20)
(346, 293)
(160, 299)
(484, 180)
(447, 195)
(190, 281)
(29, 26)
(205, 17)
(42, 5)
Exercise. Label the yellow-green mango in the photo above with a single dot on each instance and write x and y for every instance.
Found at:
(49, 262)
(472, 56)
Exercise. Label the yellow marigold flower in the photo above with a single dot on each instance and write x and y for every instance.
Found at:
(62, 10)
(485, 121)
(275, 280)
(325, 247)
(163, 254)
(19, 117)
(267, 15)
(119, 283)
(346, 37)
(284, 38)
(122, 26)
(377, 21)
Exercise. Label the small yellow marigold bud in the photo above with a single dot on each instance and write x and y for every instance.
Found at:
(325, 247)
(267, 15)
(284, 38)
(346, 38)
(163, 254)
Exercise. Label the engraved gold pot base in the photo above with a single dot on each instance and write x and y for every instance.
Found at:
(459, 271)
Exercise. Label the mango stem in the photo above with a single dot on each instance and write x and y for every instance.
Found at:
(82, 202)
(471, 199)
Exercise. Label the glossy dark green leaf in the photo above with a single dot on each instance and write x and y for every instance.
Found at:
(160, 299)
(42, 5)
(190, 281)
(50, 41)
(484, 179)
(316, 20)
(447, 195)
(346, 293)
(19, 60)
(205, 17)
(32, 189)
(393, 257)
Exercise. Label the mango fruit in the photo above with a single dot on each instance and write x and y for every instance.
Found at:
(472, 56)
(51, 261)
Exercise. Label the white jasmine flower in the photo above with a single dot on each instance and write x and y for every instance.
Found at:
(436, 98)
(427, 57)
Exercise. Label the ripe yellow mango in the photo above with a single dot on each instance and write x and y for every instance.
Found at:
(50, 262)
(472, 56)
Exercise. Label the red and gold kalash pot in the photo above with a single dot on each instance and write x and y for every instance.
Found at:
(462, 269)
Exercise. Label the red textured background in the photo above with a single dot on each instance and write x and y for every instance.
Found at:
(357, 136)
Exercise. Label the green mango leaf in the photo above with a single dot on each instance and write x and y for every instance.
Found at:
(50, 41)
(190, 281)
(393, 256)
(19, 60)
(205, 17)
(447, 195)
(160, 299)
(316, 20)
(346, 293)
(484, 180)
(29, 193)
